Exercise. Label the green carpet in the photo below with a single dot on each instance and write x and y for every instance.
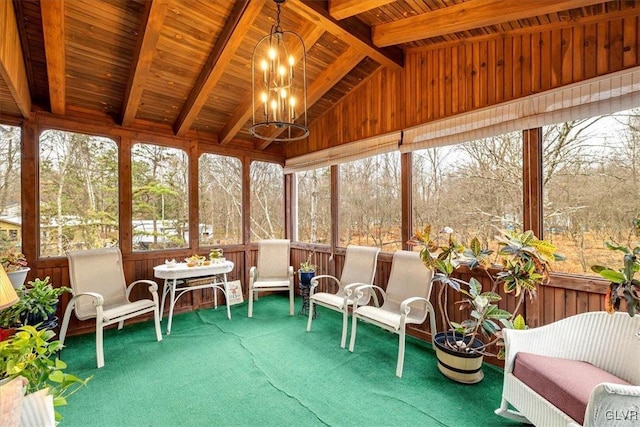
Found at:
(267, 371)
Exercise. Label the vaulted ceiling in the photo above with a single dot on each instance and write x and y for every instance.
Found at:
(186, 64)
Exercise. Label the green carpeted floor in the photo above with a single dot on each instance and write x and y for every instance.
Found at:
(268, 371)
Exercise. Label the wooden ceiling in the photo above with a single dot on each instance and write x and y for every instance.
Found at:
(186, 64)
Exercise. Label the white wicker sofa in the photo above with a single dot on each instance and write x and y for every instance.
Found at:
(608, 342)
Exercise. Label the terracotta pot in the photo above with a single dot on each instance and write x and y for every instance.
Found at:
(458, 366)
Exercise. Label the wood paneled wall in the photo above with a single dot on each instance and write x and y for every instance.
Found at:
(464, 76)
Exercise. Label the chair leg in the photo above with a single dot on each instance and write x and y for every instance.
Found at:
(120, 324)
(250, 313)
(400, 364)
(99, 336)
(65, 321)
(354, 326)
(345, 320)
(310, 315)
(156, 315)
(292, 299)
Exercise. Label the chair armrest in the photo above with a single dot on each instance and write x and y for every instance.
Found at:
(153, 286)
(610, 402)
(358, 289)
(314, 282)
(405, 306)
(99, 299)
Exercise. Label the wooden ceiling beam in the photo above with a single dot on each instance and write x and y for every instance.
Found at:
(467, 16)
(244, 111)
(351, 31)
(325, 81)
(232, 35)
(12, 68)
(341, 9)
(54, 49)
(154, 13)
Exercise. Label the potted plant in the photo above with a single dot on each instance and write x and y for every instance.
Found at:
(524, 263)
(30, 353)
(36, 305)
(307, 271)
(623, 286)
(15, 264)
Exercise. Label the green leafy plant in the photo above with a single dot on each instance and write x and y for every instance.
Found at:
(37, 301)
(524, 264)
(31, 354)
(623, 285)
(307, 266)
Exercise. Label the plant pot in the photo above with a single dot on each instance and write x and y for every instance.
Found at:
(18, 277)
(305, 277)
(461, 367)
(51, 322)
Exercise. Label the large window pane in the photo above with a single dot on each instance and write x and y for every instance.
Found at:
(10, 203)
(160, 202)
(314, 205)
(267, 201)
(78, 192)
(591, 188)
(370, 202)
(220, 200)
(474, 188)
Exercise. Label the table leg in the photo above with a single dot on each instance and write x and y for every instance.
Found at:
(165, 289)
(215, 293)
(172, 302)
(226, 295)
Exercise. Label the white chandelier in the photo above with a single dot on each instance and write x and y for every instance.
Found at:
(279, 95)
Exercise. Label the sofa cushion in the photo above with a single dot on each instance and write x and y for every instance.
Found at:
(564, 383)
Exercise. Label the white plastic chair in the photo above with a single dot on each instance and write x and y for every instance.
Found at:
(100, 292)
(359, 269)
(273, 272)
(405, 301)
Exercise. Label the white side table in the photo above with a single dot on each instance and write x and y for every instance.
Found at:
(180, 271)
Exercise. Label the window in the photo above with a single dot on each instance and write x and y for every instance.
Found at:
(591, 188)
(78, 192)
(475, 187)
(267, 201)
(220, 193)
(370, 205)
(10, 203)
(314, 205)
(160, 202)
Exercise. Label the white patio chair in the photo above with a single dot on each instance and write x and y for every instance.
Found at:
(359, 269)
(405, 301)
(100, 292)
(273, 272)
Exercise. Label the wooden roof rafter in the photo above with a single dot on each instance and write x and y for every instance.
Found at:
(310, 35)
(341, 9)
(325, 81)
(151, 25)
(467, 16)
(351, 30)
(232, 35)
(12, 68)
(54, 48)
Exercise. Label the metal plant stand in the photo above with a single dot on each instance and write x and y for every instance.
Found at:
(305, 290)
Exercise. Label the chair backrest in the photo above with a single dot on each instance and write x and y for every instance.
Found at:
(409, 278)
(99, 271)
(359, 266)
(274, 259)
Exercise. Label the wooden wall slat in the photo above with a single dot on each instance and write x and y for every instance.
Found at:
(440, 81)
